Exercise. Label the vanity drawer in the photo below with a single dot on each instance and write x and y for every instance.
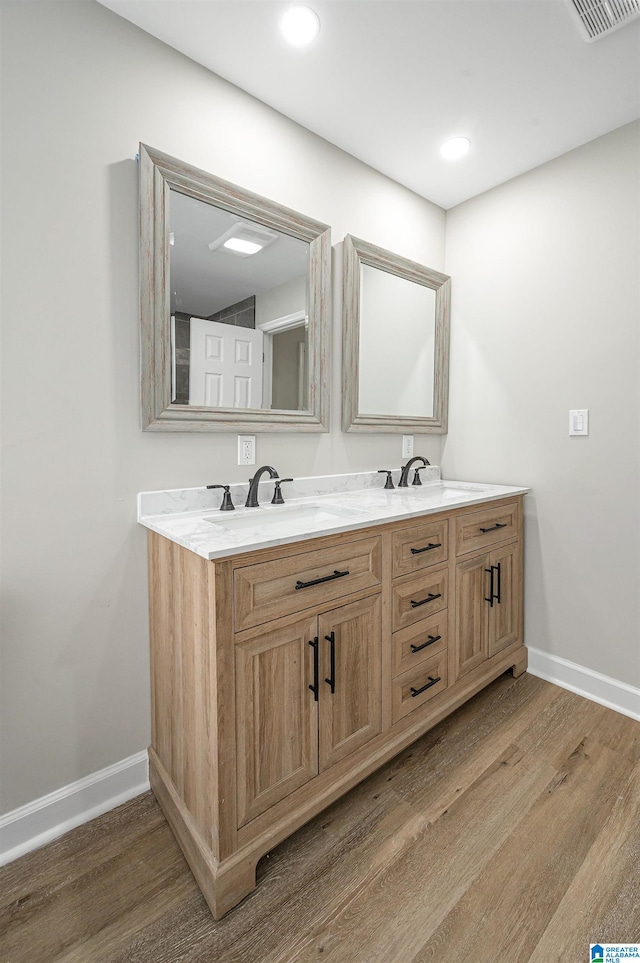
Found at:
(417, 598)
(412, 689)
(269, 590)
(421, 545)
(419, 642)
(479, 529)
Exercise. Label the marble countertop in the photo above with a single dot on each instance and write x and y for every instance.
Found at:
(322, 505)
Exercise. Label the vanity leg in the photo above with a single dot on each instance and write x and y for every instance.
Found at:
(235, 879)
(520, 665)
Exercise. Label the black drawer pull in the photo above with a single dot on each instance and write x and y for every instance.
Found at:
(494, 527)
(427, 548)
(317, 581)
(429, 598)
(430, 640)
(416, 692)
(315, 687)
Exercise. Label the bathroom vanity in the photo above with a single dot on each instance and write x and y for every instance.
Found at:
(296, 648)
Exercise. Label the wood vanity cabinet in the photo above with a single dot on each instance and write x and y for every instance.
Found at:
(307, 695)
(283, 677)
(488, 586)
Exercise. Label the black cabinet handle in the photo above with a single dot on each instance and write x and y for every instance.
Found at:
(416, 692)
(332, 654)
(427, 548)
(493, 595)
(315, 687)
(317, 581)
(429, 598)
(430, 640)
(489, 571)
(494, 527)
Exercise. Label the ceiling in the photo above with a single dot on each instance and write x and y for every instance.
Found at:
(390, 80)
(203, 280)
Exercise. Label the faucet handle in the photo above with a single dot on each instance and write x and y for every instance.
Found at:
(389, 481)
(416, 475)
(277, 494)
(227, 504)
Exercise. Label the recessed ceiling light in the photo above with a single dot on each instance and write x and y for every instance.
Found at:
(300, 25)
(455, 148)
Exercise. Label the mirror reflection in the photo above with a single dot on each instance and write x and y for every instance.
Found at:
(395, 342)
(397, 345)
(239, 302)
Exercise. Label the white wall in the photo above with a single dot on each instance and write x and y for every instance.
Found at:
(279, 302)
(546, 317)
(81, 88)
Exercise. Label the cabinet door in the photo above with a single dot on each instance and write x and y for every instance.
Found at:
(277, 717)
(350, 715)
(472, 613)
(504, 615)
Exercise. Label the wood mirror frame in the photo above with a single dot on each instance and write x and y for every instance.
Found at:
(356, 253)
(159, 174)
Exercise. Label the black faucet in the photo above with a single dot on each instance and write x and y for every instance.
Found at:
(252, 497)
(404, 474)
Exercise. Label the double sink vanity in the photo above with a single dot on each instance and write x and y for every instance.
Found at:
(297, 647)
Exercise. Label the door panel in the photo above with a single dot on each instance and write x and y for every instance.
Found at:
(351, 715)
(277, 717)
(504, 615)
(472, 586)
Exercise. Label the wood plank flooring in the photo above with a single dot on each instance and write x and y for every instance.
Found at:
(509, 833)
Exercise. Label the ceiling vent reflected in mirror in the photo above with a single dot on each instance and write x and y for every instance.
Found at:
(243, 239)
(597, 18)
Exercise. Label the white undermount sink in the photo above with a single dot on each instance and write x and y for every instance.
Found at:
(282, 520)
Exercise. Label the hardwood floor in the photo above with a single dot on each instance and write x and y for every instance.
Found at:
(509, 833)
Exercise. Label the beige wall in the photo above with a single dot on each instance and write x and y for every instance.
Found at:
(81, 88)
(546, 317)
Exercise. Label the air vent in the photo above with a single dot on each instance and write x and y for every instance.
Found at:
(598, 18)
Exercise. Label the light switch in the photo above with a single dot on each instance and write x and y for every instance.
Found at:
(579, 421)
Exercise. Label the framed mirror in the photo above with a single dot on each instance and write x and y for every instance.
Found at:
(395, 356)
(234, 301)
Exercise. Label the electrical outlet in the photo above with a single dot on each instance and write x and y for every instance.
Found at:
(246, 449)
(407, 446)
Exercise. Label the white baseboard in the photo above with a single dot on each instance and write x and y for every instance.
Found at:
(585, 682)
(49, 817)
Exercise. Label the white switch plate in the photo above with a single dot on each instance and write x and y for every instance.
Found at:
(579, 421)
(246, 449)
(407, 446)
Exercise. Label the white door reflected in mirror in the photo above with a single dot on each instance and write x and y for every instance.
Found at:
(225, 369)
